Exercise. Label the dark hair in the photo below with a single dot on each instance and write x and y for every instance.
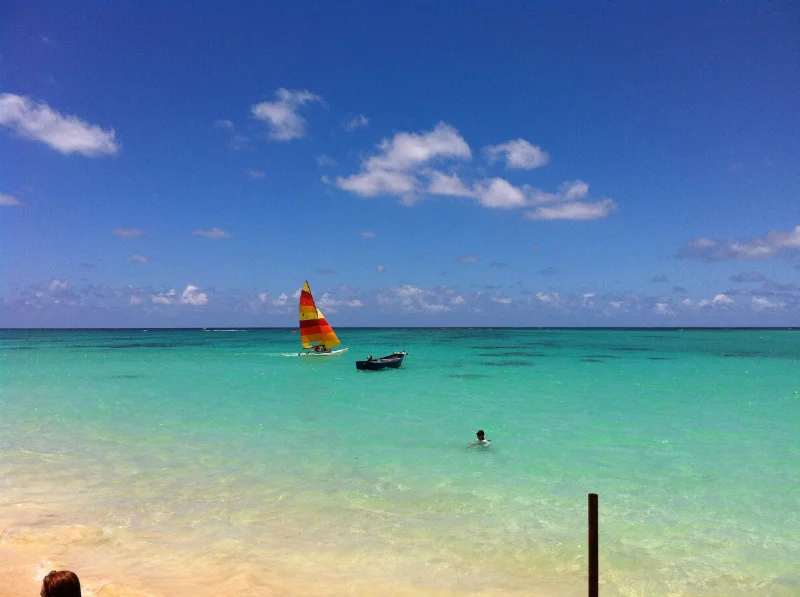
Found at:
(61, 583)
(479, 432)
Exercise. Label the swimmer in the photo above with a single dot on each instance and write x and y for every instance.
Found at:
(482, 441)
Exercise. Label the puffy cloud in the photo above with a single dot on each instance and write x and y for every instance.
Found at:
(213, 234)
(393, 170)
(367, 234)
(164, 298)
(760, 304)
(573, 211)
(282, 116)
(502, 300)
(415, 299)
(129, 232)
(192, 296)
(135, 258)
(443, 184)
(327, 302)
(381, 268)
(356, 122)
(65, 134)
(662, 309)
(519, 154)
(469, 259)
(402, 168)
(769, 246)
(256, 174)
(58, 286)
(499, 193)
(8, 200)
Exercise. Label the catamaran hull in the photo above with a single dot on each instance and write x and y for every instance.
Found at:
(331, 353)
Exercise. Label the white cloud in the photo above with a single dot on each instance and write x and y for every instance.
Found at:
(722, 299)
(58, 286)
(192, 296)
(458, 300)
(502, 300)
(519, 154)
(282, 300)
(135, 301)
(256, 174)
(403, 165)
(393, 170)
(573, 211)
(8, 200)
(381, 268)
(263, 296)
(135, 258)
(760, 304)
(499, 193)
(769, 246)
(329, 304)
(282, 117)
(367, 234)
(65, 134)
(442, 184)
(213, 234)
(572, 190)
(164, 298)
(549, 298)
(129, 232)
(469, 259)
(378, 182)
(662, 309)
(356, 122)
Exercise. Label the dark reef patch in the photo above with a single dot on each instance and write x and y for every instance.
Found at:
(631, 349)
(508, 363)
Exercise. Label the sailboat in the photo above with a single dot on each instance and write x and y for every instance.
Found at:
(316, 334)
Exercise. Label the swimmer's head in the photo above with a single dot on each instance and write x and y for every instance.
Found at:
(480, 433)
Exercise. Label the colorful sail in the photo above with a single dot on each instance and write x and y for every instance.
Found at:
(314, 329)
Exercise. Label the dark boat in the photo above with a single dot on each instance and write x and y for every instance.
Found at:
(392, 361)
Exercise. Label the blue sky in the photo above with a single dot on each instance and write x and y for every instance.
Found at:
(433, 163)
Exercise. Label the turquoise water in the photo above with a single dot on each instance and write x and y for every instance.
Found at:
(183, 453)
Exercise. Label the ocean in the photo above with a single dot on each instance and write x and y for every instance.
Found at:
(191, 462)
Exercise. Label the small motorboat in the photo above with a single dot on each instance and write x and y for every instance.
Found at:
(392, 361)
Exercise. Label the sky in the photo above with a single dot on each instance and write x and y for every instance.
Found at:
(425, 163)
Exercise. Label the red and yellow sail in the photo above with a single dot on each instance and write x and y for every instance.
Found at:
(314, 329)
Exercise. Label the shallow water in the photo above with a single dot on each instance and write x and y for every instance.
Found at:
(170, 459)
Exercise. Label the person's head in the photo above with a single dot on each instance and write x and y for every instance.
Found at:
(480, 434)
(61, 583)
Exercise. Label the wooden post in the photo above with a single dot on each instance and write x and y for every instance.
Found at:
(594, 571)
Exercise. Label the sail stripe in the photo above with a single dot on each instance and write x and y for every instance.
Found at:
(313, 325)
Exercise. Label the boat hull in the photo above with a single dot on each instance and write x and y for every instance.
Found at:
(331, 353)
(392, 361)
